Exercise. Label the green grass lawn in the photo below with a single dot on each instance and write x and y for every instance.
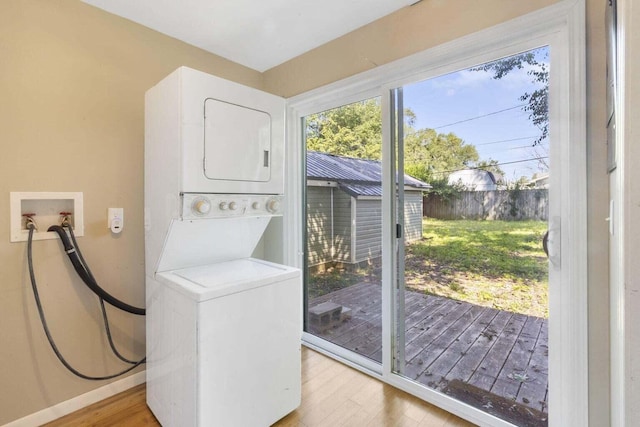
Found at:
(498, 264)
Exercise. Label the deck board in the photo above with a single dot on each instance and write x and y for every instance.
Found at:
(489, 370)
(498, 351)
(434, 349)
(517, 363)
(452, 355)
(535, 389)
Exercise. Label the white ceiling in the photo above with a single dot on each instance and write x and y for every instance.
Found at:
(259, 34)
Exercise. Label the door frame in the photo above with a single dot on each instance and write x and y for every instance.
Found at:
(562, 27)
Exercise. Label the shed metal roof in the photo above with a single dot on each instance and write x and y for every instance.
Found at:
(357, 190)
(358, 177)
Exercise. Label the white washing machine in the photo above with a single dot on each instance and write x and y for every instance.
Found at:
(223, 328)
(230, 346)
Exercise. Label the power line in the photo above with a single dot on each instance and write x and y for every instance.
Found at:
(506, 140)
(497, 164)
(480, 117)
(521, 161)
(507, 149)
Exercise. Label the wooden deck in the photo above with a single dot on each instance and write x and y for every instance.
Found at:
(491, 356)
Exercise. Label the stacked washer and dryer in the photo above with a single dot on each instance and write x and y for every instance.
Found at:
(223, 328)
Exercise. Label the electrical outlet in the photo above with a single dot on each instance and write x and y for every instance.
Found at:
(115, 219)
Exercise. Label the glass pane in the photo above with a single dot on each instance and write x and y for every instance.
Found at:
(474, 313)
(344, 220)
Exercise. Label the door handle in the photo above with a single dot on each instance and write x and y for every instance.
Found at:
(551, 242)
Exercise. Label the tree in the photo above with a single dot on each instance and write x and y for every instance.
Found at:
(492, 166)
(431, 156)
(355, 130)
(537, 104)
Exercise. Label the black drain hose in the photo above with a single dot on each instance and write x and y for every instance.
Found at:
(105, 319)
(87, 277)
(45, 326)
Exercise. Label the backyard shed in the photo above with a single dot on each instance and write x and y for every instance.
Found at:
(344, 209)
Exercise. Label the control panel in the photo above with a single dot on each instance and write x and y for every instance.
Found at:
(200, 206)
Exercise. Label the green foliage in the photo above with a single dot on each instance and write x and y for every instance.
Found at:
(496, 249)
(331, 280)
(443, 190)
(354, 130)
(433, 155)
(419, 171)
(515, 191)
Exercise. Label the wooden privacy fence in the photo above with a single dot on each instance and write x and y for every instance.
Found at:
(506, 205)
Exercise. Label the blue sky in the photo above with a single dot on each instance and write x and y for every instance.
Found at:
(484, 112)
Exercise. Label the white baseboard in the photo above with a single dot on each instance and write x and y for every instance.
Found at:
(63, 408)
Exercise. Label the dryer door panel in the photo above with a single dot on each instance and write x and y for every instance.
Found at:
(237, 142)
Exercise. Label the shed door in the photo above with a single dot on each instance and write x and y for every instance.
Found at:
(237, 142)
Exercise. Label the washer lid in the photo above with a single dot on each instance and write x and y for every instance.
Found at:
(229, 273)
(225, 278)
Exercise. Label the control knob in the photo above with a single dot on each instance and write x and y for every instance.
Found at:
(223, 206)
(233, 206)
(201, 206)
(273, 205)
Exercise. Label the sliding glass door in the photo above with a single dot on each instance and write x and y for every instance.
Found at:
(443, 224)
(471, 288)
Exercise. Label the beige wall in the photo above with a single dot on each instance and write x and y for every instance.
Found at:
(597, 210)
(410, 30)
(72, 80)
(72, 83)
(627, 185)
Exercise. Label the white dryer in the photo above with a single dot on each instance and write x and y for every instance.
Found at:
(223, 328)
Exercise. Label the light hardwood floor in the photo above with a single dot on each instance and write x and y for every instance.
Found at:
(332, 395)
